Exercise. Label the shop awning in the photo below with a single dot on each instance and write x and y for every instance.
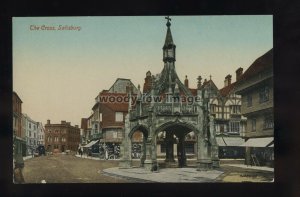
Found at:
(230, 141)
(91, 144)
(258, 142)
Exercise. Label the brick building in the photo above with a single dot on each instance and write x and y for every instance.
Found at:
(61, 136)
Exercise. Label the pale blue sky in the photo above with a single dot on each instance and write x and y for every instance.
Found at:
(58, 74)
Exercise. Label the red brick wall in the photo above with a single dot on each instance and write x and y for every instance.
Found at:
(70, 133)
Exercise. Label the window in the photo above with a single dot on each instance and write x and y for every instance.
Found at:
(29, 133)
(235, 109)
(234, 127)
(29, 126)
(119, 116)
(253, 124)
(115, 134)
(213, 108)
(264, 94)
(268, 122)
(249, 100)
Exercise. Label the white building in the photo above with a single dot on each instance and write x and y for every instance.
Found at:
(31, 133)
(40, 134)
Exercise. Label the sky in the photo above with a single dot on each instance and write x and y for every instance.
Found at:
(58, 73)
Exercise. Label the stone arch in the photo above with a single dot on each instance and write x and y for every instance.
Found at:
(143, 128)
(142, 152)
(174, 142)
(176, 123)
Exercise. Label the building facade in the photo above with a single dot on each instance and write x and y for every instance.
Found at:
(256, 88)
(62, 137)
(31, 134)
(104, 128)
(18, 132)
(40, 133)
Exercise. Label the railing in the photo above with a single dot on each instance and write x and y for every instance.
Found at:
(166, 109)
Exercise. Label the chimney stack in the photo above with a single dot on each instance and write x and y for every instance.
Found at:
(63, 122)
(199, 82)
(239, 73)
(76, 126)
(227, 81)
(48, 121)
(186, 82)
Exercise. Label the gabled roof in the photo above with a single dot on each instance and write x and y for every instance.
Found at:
(260, 64)
(209, 83)
(115, 106)
(14, 93)
(226, 90)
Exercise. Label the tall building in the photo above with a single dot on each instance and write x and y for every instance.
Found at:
(61, 136)
(224, 106)
(18, 133)
(30, 130)
(256, 88)
(40, 134)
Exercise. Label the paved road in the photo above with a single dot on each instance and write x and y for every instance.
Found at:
(68, 169)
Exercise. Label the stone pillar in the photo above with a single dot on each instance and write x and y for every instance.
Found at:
(169, 147)
(125, 147)
(181, 152)
(203, 159)
(148, 160)
(143, 151)
(125, 161)
(214, 144)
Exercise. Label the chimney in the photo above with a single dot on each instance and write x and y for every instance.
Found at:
(227, 81)
(239, 73)
(48, 121)
(186, 82)
(199, 82)
(63, 122)
(76, 126)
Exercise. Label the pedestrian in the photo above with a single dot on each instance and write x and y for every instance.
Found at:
(81, 152)
(32, 152)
